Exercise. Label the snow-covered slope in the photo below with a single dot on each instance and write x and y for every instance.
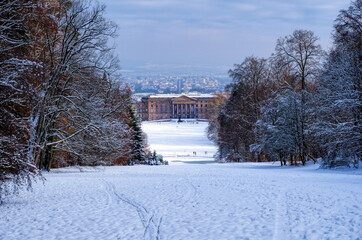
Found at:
(180, 142)
(188, 201)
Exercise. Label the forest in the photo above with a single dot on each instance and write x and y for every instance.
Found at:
(61, 101)
(300, 104)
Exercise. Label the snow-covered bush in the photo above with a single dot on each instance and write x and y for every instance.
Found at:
(155, 159)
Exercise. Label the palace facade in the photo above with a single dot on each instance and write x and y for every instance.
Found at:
(172, 106)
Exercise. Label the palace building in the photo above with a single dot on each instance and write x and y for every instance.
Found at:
(173, 106)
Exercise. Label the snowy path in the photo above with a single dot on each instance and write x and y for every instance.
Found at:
(189, 201)
(184, 142)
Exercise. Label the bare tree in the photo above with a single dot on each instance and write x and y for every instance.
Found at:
(76, 53)
(278, 132)
(18, 82)
(337, 126)
(242, 109)
(302, 54)
(213, 127)
(107, 138)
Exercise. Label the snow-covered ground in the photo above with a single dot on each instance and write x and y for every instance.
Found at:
(180, 142)
(188, 201)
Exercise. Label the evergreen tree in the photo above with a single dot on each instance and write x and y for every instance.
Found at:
(138, 140)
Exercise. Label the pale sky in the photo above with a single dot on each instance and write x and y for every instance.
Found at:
(212, 34)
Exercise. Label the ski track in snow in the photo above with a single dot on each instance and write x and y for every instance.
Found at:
(188, 201)
(148, 219)
(281, 220)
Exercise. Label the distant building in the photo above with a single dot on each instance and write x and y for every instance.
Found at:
(180, 85)
(173, 106)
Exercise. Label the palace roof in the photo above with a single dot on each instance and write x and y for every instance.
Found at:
(191, 95)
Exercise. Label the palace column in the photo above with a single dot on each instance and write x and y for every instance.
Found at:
(192, 113)
(178, 110)
(188, 110)
(174, 110)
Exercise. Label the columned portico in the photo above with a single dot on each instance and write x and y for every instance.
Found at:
(166, 106)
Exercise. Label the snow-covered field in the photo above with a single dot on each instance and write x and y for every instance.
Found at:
(188, 201)
(180, 142)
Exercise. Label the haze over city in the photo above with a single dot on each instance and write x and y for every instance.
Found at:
(209, 36)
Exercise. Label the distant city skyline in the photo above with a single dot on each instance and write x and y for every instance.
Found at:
(210, 35)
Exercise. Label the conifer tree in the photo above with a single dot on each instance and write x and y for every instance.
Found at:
(138, 141)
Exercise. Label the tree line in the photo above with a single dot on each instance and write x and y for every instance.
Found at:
(300, 104)
(61, 102)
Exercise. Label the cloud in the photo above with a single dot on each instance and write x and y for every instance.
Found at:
(246, 7)
(204, 32)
